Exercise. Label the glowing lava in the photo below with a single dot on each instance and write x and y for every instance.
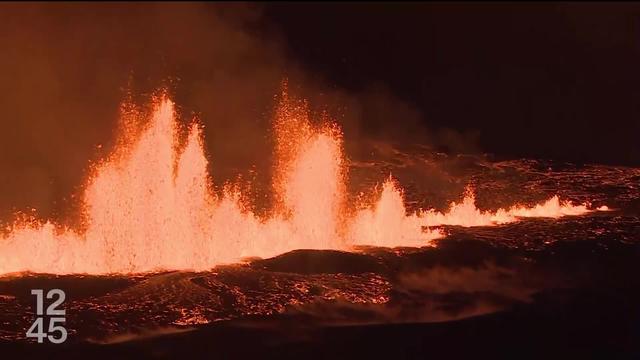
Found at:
(150, 206)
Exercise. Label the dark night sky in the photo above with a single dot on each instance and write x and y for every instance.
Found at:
(552, 80)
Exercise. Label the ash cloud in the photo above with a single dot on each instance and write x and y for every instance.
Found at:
(65, 68)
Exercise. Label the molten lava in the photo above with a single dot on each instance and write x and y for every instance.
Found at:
(150, 206)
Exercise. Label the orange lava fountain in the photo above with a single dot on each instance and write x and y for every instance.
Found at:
(150, 206)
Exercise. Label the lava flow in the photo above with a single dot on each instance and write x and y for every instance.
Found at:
(150, 206)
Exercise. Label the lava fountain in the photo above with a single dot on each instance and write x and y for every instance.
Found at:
(150, 205)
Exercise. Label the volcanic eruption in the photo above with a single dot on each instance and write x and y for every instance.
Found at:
(151, 205)
(332, 181)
